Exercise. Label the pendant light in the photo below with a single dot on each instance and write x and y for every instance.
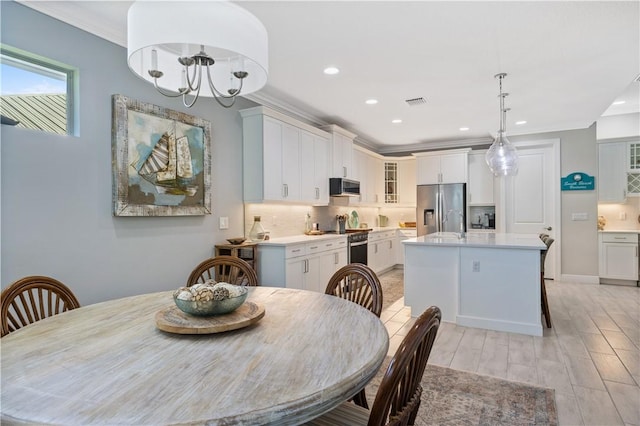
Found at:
(502, 157)
(191, 48)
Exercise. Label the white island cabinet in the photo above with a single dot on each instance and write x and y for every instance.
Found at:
(487, 280)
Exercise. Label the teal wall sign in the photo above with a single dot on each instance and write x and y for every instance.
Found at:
(578, 181)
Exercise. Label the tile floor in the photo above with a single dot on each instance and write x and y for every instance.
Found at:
(591, 355)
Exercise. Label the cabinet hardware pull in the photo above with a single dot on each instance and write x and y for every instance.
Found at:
(313, 247)
(295, 251)
(335, 258)
(344, 171)
(306, 266)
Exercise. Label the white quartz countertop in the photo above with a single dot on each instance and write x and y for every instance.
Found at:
(486, 240)
(620, 231)
(301, 239)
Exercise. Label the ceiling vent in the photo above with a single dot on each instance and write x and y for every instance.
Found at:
(416, 101)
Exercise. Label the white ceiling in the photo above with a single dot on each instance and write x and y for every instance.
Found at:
(566, 61)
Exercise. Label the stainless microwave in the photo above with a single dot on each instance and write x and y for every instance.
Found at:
(340, 187)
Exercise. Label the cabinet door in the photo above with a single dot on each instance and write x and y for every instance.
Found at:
(307, 167)
(407, 182)
(313, 277)
(359, 173)
(428, 170)
(377, 179)
(272, 140)
(453, 168)
(321, 170)
(480, 180)
(619, 261)
(295, 272)
(612, 171)
(291, 162)
(342, 156)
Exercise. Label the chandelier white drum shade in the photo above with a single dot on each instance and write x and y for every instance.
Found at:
(192, 48)
(502, 157)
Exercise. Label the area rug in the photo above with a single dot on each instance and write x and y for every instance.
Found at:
(453, 397)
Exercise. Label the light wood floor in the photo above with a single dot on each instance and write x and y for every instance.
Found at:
(591, 355)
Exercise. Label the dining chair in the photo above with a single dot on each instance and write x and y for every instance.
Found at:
(398, 398)
(224, 268)
(33, 298)
(359, 284)
(543, 289)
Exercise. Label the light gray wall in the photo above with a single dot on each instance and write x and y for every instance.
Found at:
(56, 191)
(578, 153)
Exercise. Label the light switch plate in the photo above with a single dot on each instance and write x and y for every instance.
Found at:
(224, 222)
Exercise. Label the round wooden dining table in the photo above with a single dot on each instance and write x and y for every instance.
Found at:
(108, 363)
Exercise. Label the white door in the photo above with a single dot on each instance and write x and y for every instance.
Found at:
(531, 196)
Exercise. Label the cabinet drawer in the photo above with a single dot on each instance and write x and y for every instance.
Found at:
(295, 251)
(610, 237)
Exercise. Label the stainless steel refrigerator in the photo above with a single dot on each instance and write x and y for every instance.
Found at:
(441, 208)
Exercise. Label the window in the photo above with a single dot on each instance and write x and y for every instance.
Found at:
(36, 93)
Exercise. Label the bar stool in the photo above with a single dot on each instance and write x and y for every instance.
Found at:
(547, 240)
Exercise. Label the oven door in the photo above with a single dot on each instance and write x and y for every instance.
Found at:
(358, 252)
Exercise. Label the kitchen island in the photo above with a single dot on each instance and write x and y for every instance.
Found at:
(484, 280)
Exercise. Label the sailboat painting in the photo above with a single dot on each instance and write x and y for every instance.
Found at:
(161, 161)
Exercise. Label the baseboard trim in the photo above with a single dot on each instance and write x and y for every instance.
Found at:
(581, 279)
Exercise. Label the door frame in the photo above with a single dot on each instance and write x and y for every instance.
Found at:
(501, 207)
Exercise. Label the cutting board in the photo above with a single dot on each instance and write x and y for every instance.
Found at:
(173, 320)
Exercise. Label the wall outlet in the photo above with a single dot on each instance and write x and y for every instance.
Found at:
(224, 222)
(622, 215)
(476, 266)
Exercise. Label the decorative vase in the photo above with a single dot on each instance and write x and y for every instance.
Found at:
(257, 231)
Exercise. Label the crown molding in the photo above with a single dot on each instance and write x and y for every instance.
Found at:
(80, 18)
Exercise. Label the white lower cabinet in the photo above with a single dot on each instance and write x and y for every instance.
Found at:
(306, 266)
(618, 256)
(381, 252)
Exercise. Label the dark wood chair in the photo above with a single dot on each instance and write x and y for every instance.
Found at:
(358, 283)
(228, 269)
(398, 398)
(33, 298)
(543, 289)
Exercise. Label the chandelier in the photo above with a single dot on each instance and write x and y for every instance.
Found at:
(191, 48)
(502, 157)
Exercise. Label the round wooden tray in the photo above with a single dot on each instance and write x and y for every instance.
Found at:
(173, 320)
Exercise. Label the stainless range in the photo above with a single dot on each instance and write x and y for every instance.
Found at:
(358, 243)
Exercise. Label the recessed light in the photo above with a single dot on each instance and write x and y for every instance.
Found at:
(464, 129)
(618, 103)
(521, 122)
(371, 101)
(396, 121)
(331, 70)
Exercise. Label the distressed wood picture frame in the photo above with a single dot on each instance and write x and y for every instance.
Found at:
(161, 161)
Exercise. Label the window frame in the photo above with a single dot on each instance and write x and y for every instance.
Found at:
(34, 63)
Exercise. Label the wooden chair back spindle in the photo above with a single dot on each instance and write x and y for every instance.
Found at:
(32, 299)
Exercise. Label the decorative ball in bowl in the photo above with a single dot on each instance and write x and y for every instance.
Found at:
(210, 298)
(236, 241)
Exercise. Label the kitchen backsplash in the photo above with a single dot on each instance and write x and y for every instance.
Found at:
(621, 216)
(287, 220)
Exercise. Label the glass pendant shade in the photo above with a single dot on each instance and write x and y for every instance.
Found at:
(502, 157)
(161, 35)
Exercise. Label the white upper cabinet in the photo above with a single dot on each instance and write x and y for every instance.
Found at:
(341, 149)
(407, 182)
(481, 180)
(442, 167)
(283, 160)
(612, 171)
(314, 164)
(368, 170)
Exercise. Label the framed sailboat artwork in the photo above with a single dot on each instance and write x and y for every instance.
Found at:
(161, 161)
